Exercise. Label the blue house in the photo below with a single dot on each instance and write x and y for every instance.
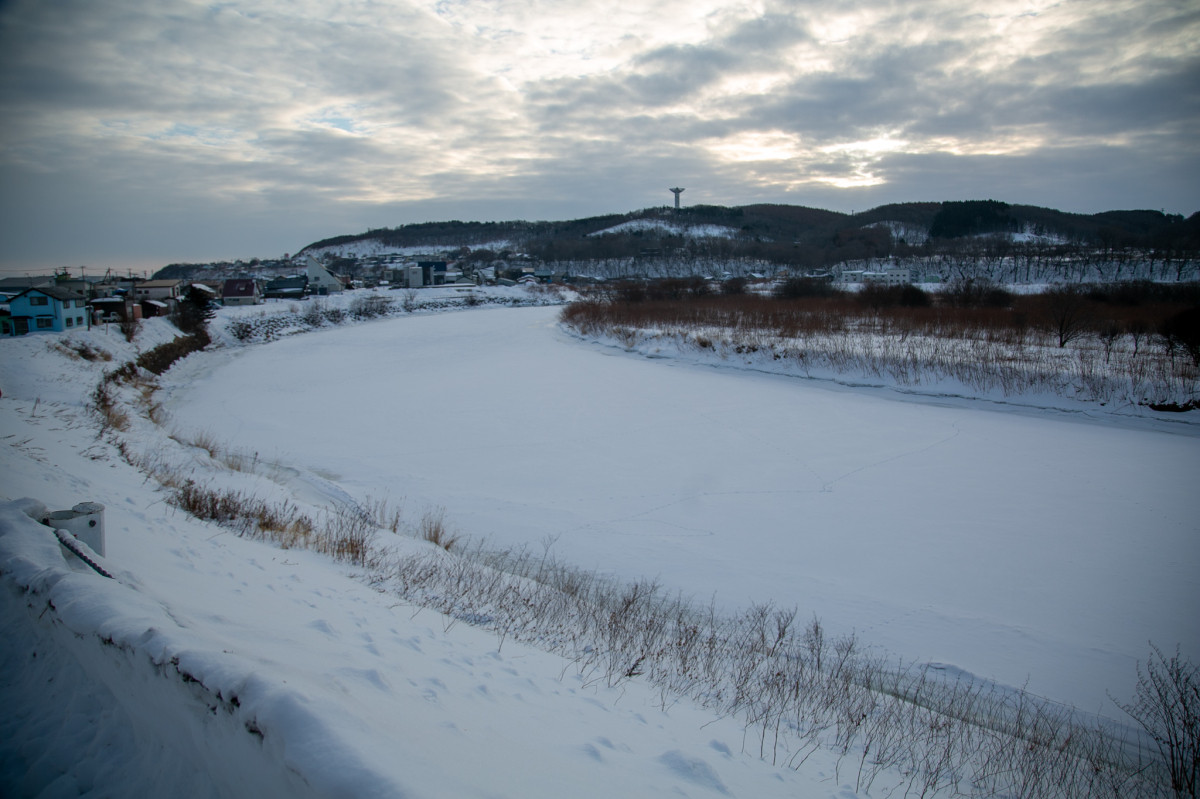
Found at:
(47, 309)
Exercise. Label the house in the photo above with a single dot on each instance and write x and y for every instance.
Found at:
(320, 279)
(287, 288)
(115, 309)
(79, 285)
(15, 285)
(406, 277)
(240, 291)
(433, 273)
(887, 277)
(47, 309)
(152, 308)
(168, 290)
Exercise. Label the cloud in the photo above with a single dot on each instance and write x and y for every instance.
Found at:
(305, 113)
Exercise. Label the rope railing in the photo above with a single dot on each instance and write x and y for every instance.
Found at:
(70, 542)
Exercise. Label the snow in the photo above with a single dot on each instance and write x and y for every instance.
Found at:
(1016, 544)
(366, 248)
(670, 228)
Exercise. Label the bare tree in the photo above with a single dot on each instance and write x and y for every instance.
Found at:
(1167, 706)
(1066, 313)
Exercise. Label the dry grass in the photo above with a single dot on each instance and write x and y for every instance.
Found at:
(344, 534)
(81, 350)
(383, 515)
(162, 357)
(895, 728)
(233, 459)
(432, 528)
(104, 401)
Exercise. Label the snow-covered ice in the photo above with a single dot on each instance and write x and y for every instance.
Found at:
(1019, 546)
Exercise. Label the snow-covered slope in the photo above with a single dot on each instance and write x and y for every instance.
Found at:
(670, 228)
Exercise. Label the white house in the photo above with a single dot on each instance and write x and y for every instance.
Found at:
(889, 277)
(320, 279)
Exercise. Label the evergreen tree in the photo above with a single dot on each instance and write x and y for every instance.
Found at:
(194, 310)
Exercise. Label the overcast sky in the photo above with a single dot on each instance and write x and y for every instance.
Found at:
(136, 133)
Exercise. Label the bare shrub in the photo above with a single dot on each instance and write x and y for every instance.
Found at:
(1181, 332)
(313, 314)
(906, 295)
(370, 306)
(985, 348)
(976, 293)
(1109, 334)
(162, 357)
(241, 329)
(799, 287)
(1167, 706)
(734, 286)
(1066, 313)
(130, 326)
(409, 300)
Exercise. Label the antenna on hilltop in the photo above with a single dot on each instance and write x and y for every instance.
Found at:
(677, 193)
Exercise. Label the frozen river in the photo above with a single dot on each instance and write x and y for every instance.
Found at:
(1018, 546)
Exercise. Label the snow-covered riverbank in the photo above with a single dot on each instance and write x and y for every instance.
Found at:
(1009, 545)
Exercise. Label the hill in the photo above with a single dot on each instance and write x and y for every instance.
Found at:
(757, 230)
(708, 238)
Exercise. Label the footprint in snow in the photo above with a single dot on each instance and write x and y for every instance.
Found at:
(320, 625)
(693, 770)
(592, 752)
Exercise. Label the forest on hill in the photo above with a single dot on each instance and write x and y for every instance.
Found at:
(1019, 243)
(797, 235)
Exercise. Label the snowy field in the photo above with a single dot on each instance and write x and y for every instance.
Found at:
(1019, 545)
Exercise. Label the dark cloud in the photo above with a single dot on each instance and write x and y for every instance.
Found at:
(125, 122)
